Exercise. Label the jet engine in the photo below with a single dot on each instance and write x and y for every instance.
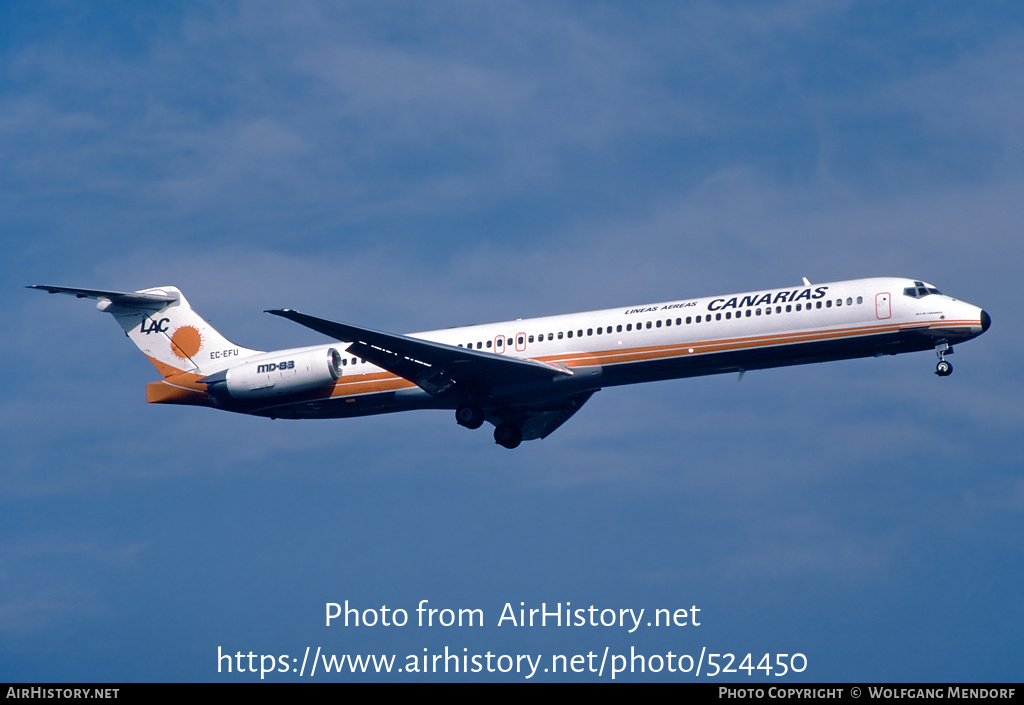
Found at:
(278, 374)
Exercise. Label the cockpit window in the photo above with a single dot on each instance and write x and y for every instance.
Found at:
(919, 290)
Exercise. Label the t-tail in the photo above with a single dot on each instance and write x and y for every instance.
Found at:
(181, 345)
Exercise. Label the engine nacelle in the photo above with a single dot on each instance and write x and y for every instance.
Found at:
(277, 374)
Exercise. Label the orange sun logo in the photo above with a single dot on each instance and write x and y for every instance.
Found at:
(186, 342)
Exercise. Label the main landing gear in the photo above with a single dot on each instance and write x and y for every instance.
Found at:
(506, 434)
(470, 416)
(943, 369)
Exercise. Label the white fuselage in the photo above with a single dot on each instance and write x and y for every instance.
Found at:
(685, 338)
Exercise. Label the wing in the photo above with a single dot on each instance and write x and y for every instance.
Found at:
(520, 389)
(434, 367)
(540, 420)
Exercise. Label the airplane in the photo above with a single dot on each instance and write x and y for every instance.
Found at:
(528, 376)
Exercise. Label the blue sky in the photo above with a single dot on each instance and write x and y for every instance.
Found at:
(411, 166)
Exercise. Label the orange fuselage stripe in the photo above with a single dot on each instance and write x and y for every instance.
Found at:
(378, 382)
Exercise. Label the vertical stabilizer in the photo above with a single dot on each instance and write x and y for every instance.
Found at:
(165, 328)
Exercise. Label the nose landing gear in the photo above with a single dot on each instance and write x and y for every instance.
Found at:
(943, 369)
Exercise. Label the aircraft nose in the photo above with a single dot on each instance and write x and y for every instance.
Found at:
(986, 321)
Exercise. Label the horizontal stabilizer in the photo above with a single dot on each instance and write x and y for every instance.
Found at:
(121, 298)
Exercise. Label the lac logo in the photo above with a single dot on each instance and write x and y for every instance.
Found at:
(150, 325)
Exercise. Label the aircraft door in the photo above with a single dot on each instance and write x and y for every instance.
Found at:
(883, 307)
(499, 344)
